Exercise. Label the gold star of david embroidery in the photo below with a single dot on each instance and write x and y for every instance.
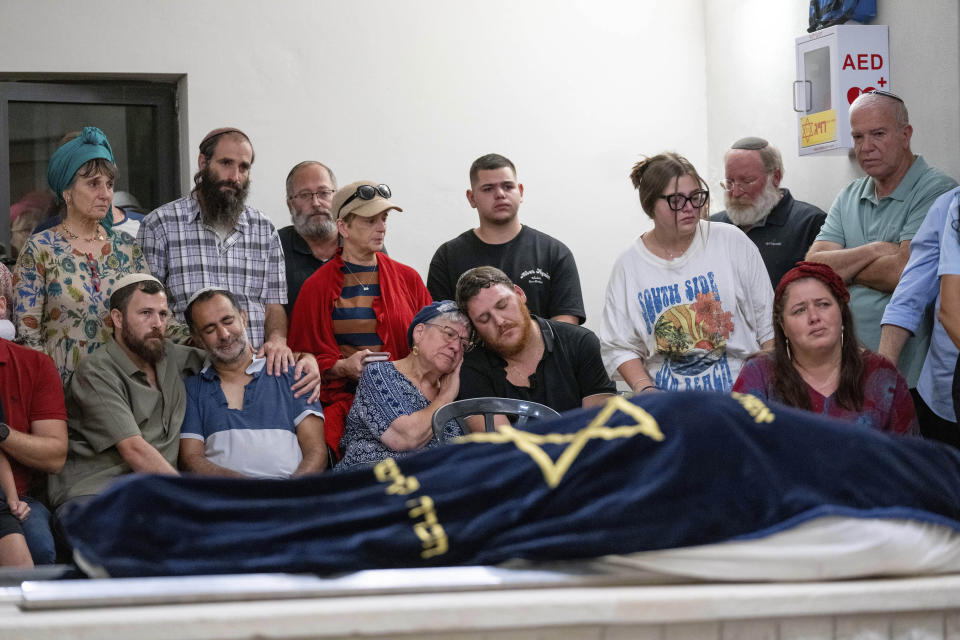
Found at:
(553, 472)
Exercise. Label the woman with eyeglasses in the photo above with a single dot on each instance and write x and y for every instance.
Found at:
(393, 409)
(688, 301)
(64, 275)
(356, 308)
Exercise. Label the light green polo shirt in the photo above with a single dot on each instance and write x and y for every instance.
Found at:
(108, 399)
(857, 217)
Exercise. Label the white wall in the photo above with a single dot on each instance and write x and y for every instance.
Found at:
(409, 93)
(751, 66)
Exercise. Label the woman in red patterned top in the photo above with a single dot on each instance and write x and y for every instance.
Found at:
(818, 364)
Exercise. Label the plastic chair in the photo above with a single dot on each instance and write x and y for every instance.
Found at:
(489, 407)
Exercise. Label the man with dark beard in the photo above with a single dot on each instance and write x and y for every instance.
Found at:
(211, 238)
(240, 422)
(126, 400)
(312, 239)
(781, 227)
(522, 356)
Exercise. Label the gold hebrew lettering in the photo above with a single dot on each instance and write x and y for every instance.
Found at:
(388, 471)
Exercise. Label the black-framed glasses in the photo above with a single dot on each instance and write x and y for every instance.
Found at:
(451, 334)
(677, 201)
(367, 192)
(308, 196)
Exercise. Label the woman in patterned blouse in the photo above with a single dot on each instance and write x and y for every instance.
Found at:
(64, 276)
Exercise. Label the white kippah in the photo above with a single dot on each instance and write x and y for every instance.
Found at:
(199, 292)
(133, 278)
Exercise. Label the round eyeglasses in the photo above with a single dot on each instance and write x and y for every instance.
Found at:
(367, 192)
(730, 185)
(451, 334)
(677, 201)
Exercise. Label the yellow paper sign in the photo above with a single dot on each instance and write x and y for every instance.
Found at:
(818, 128)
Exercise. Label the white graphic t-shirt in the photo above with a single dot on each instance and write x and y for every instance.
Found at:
(693, 320)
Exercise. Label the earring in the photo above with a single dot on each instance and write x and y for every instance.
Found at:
(841, 338)
(789, 357)
(415, 351)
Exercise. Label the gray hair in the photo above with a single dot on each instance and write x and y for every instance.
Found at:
(308, 163)
(897, 107)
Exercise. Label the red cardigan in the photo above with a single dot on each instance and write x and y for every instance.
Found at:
(402, 295)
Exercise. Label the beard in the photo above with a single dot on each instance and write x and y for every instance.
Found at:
(508, 350)
(150, 347)
(314, 226)
(221, 207)
(231, 350)
(749, 214)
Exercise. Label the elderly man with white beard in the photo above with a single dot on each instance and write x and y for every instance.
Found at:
(781, 227)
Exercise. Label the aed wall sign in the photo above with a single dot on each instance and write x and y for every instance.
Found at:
(834, 66)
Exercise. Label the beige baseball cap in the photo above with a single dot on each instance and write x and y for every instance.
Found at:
(365, 198)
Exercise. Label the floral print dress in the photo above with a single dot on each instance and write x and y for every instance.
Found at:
(62, 296)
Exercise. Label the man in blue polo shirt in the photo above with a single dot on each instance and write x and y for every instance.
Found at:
(240, 421)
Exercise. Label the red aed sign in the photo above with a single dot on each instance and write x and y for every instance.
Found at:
(863, 61)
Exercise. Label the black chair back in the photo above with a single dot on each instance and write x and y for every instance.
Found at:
(523, 410)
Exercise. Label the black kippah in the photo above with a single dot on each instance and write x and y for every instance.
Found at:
(753, 143)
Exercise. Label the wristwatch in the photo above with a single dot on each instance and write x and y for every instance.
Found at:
(4, 431)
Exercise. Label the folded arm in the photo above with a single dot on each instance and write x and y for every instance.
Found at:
(884, 273)
(849, 263)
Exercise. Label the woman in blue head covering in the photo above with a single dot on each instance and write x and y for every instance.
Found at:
(393, 408)
(65, 275)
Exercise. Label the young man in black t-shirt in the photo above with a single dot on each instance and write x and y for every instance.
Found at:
(541, 265)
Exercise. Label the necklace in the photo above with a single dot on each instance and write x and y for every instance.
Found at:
(97, 236)
(664, 248)
(356, 278)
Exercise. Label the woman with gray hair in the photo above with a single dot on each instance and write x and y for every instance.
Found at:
(394, 404)
(65, 275)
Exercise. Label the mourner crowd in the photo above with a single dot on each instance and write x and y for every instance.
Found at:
(200, 339)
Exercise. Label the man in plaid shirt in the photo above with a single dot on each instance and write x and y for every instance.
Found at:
(211, 238)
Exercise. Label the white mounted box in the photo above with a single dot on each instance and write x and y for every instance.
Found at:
(834, 66)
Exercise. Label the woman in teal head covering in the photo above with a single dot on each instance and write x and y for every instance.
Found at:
(65, 275)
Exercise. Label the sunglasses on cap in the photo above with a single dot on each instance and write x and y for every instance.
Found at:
(367, 192)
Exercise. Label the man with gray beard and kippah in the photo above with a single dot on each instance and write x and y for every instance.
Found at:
(781, 227)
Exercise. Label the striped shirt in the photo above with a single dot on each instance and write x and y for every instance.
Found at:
(354, 322)
(186, 255)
